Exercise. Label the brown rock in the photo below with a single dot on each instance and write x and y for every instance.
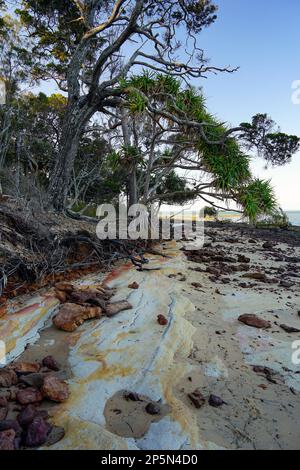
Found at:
(55, 389)
(8, 377)
(50, 363)
(197, 398)
(32, 380)
(243, 259)
(290, 329)
(133, 285)
(7, 440)
(25, 367)
(250, 319)
(132, 396)
(116, 307)
(161, 319)
(3, 412)
(64, 286)
(29, 395)
(88, 296)
(61, 295)
(258, 276)
(3, 400)
(27, 415)
(56, 434)
(286, 284)
(216, 401)
(10, 424)
(37, 432)
(152, 409)
(71, 316)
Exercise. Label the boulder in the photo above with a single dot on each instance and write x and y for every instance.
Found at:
(116, 307)
(55, 389)
(25, 367)
(29, 395)
(250, 319)
(71, 316)
(8, 377)
(7, 439)
(37, 432)
(50, 363)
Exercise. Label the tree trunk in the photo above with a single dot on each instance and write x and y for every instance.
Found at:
(132, 183)
(74, 122)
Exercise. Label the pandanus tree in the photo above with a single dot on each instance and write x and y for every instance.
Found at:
(172, 131)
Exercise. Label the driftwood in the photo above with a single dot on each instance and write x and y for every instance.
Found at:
(35, 246)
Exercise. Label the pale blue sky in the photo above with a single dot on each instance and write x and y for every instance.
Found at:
(263, 38)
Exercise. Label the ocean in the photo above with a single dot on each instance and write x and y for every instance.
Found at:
(294, 217)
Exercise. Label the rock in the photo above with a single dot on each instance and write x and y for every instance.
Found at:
(64, 286)
(37, 432)
(61, 296)
(213, 271)
(7, 439)
(216, 401)
(133, 285)
(88, 296)
(153, 409)
(266, 372)
(56, 434)
(268, 245)
(29, 395)
(161, 319)
(250, 319)
(71, 316)
(287, 284)
(32, 380)
(8, 377)
(3, 412)
(116, 307)
(27, 415)
(50, 363)
(243, 259)
(132, 396)
(10, 424)
(197, 398)
(258, 276)
(3, 401)
(197, 285)
(252, 241)
(290, 329)
(55, 389)
(25, 367)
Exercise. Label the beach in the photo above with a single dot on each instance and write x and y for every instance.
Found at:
(215, 380)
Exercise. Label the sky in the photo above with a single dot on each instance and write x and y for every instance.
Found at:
(262, 37)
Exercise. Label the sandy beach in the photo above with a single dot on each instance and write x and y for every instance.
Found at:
(120, 367)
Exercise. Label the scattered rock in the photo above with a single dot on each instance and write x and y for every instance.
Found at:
(197, 285)
(133, 285)
(37, 432)
(258, 276)
(250, 319)
(51, 363)
(32, 380)
(197, 398)
(161, 319)
(116, 307)
(7, 439)
(266, 372)
(88, 296)
(216, 401)
(71, 316)
(287, 284)
(3, 412)
(243, 259)
(61, 296)
(8, 377)
(26, 416)
(132, 396)
(3, 401)
(153, 409)
(65, 287)
(29, 395)
(268, 245)
(290, 329)
(56, 434)
(10, 424)
(25, 367)
(55, 389)
(252, 241)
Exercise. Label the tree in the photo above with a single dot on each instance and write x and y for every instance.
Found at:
(77, 43)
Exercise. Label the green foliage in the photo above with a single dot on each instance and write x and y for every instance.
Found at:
(174, 190)
(210, 211)
(277, 219)
(257, 198)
